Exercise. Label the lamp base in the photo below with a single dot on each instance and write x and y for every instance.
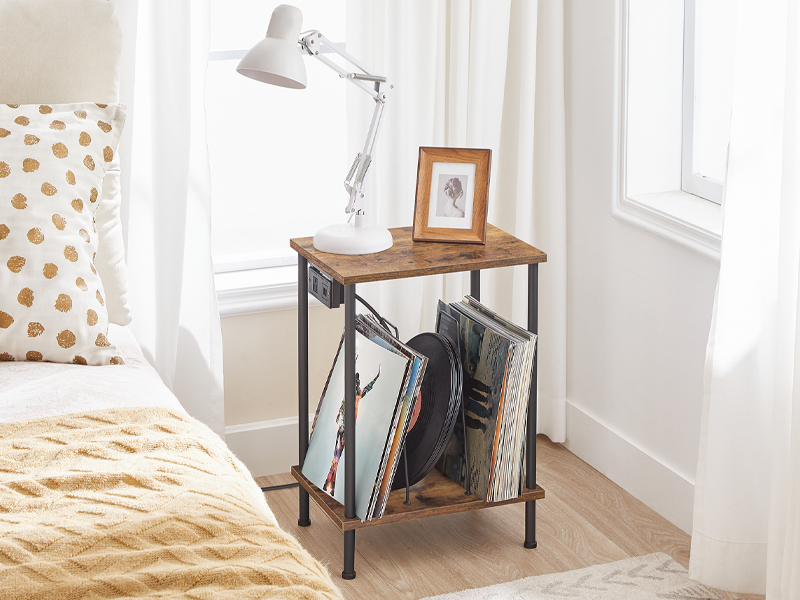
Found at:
(344, 238)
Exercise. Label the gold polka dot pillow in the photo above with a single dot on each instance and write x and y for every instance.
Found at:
(52, 162)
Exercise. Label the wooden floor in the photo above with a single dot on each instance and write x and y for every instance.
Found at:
(585, 519)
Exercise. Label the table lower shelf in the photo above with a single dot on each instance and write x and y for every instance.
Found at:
(435, 495)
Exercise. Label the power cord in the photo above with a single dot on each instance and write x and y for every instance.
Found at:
(285, 486)
(387, 325)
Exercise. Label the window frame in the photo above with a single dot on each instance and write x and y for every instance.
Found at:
(253, 282)
(676, 216)
(259, 281)
(691, 182)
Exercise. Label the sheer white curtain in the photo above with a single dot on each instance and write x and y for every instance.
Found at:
(479, 74)
(166, 199)
(746, 534)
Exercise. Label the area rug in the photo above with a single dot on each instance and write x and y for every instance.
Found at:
(651, 577)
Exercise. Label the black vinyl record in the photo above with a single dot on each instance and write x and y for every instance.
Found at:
(438, 405)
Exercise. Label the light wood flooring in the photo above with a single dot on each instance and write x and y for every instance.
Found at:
(585, 519)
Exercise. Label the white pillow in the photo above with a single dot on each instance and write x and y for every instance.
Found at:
(52, 161)
(64, 51)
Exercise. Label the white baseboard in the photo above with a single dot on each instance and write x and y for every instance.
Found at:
(661, 488)
(265, 447)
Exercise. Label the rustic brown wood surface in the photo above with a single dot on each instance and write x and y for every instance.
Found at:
(585, 520)
(407, 258)
(433, 496)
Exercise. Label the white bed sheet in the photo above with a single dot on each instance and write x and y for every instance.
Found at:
(31, 390)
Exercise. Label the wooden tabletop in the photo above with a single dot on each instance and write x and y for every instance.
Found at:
(407, 258)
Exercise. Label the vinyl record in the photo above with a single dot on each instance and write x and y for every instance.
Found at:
(437, 407)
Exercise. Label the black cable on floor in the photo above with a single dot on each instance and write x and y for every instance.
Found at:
(285, 486)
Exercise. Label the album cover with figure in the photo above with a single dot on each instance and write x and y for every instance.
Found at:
(380, 381)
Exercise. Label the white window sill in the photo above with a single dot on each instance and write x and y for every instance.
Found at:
(681, 218)
(258, 290)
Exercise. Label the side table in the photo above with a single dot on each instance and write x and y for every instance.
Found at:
(435, 494)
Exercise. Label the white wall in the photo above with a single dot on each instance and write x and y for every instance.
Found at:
(639, 307)
(260, 370)
(260, 362)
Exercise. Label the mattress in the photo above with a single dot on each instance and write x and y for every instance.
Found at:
(32, 390)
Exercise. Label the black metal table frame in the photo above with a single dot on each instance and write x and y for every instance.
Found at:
(350, 400)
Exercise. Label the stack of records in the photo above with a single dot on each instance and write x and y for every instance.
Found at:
(436, 410)
(383, 483)
(497, 358)
(388, 378)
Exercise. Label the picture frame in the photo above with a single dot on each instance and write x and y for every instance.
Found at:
(452, 195)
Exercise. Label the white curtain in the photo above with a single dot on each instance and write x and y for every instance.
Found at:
(166, 199)
(479, 74)
(746, 534)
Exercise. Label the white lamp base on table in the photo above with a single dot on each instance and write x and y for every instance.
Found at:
(345, 238)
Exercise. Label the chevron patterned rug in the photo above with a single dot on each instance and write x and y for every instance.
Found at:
(652, 577)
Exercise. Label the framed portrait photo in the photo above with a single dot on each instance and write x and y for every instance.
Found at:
(452, 195)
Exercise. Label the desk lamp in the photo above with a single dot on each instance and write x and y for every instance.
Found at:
(276, 60)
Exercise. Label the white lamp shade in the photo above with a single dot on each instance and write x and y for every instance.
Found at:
(276, 59)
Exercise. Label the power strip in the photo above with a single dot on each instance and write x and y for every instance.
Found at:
(324, 288)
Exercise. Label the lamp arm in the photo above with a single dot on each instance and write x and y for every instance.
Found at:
(312, 42)
(354, 181)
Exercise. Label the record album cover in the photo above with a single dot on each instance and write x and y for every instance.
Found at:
(485, 357)
(380, 386)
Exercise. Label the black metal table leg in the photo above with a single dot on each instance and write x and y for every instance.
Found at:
(349, 427)
(530, 474)
(302, 377)
(475, 285)
(349, 571)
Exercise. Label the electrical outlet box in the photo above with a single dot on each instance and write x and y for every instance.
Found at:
(324, 288)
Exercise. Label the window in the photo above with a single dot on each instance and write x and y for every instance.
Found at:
(278, 156)
(649, 192)
(708, 49)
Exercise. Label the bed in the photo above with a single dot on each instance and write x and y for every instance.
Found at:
(108, 488)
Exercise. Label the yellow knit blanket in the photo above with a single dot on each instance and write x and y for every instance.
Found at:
(143, 503)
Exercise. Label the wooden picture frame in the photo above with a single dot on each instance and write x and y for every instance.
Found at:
(452, 195)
